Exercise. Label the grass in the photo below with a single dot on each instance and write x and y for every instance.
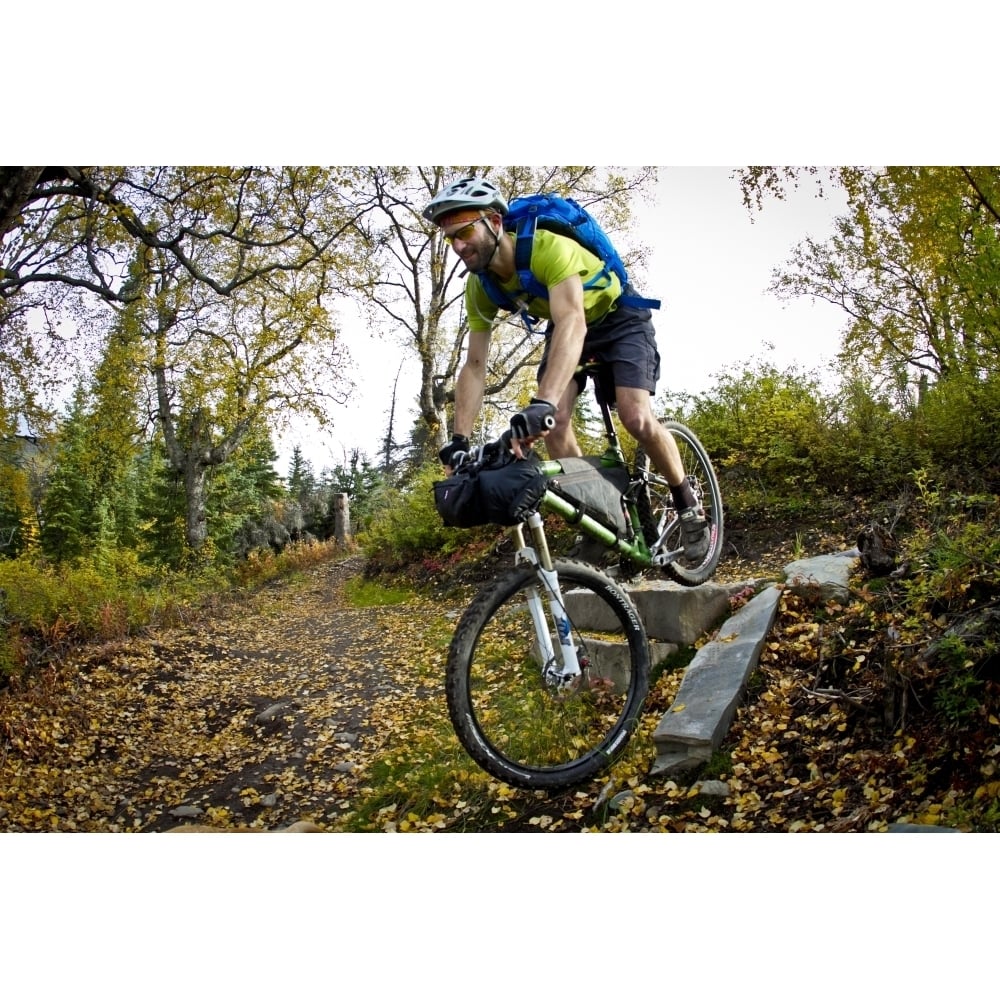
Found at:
(370, 594)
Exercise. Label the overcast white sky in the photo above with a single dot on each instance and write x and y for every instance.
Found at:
(710, 265)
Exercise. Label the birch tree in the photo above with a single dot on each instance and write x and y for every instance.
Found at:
(914, 263)
(226, 275)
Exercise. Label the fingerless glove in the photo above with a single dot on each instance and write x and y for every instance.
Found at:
(536, 418)
(450, 452)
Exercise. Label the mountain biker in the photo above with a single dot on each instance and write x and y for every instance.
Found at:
(581, 322)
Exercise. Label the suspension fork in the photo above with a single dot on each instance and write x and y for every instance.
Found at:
(560, 671)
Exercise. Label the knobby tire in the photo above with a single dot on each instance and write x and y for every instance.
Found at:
(514, 726)
(655, 504)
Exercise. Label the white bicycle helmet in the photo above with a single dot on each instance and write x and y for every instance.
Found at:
(470, 192)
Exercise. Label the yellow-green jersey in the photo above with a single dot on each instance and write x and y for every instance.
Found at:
(554, 258)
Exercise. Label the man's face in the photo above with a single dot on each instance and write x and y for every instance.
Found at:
(473, 240)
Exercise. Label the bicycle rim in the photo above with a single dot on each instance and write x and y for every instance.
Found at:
(657, 511)
(510, 722)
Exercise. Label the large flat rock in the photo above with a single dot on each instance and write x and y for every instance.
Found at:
(826, 577)
(697, 722)
(611, 661)
(670, 612)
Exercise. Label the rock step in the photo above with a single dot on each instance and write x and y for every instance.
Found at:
(696, 724)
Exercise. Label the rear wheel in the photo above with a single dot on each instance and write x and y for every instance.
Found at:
(658, 514)
(510, 721)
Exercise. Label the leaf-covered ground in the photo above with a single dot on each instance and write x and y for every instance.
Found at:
(262, 716)
(293, 704)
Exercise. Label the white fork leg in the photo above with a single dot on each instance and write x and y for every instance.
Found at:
(566, 671)
(569, 671)
(546, 653)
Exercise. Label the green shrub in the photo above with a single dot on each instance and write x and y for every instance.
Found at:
(957, 423)
(957, 688)
(763, 419)
(869, 447)
(45, 608)
(406, 526)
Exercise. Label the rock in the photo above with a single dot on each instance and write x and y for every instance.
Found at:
(273, 711)
(622, 802)
(713, 789)
(669, 612)
(712, 686)
(823, 577)
(186, 812)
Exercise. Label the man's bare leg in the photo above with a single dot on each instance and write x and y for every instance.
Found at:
(637, 415)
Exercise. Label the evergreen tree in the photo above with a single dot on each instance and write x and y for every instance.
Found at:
(68, 500)
(246, 502)
(160, 497)
(301, 481)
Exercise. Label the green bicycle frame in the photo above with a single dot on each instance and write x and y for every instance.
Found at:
(635, 548)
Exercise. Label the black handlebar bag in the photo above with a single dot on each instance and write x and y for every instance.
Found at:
(503, 491)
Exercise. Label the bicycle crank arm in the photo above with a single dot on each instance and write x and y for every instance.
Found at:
(662, 558)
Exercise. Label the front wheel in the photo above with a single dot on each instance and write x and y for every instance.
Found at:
(658, 515)
(516, 726)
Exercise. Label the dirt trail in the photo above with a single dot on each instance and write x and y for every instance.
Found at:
(265, 719)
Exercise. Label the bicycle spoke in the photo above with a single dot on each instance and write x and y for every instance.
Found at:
(660, 523)
(518, 726)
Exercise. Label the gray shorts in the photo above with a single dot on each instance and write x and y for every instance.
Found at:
(626, 342)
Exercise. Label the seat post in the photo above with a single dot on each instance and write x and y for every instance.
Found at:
(613, 454)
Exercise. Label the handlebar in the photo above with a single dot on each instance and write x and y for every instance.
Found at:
(493, 451)
(490, 452)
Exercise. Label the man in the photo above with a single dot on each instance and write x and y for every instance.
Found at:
(584, 319)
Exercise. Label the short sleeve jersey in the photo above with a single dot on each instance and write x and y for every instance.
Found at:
(553, 259)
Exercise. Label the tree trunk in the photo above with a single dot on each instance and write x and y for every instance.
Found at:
(195, 520)
(17, 184)
(341, 519)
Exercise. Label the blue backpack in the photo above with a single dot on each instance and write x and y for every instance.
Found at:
(566, 217)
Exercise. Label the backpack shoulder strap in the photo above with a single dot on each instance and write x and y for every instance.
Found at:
(524, 234)
(504, 301)
(497, 295)
(524, 238)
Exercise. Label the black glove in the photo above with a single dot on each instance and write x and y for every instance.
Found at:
(455, 453)
(538, 416)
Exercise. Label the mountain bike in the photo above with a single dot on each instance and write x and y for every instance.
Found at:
(549, 666)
